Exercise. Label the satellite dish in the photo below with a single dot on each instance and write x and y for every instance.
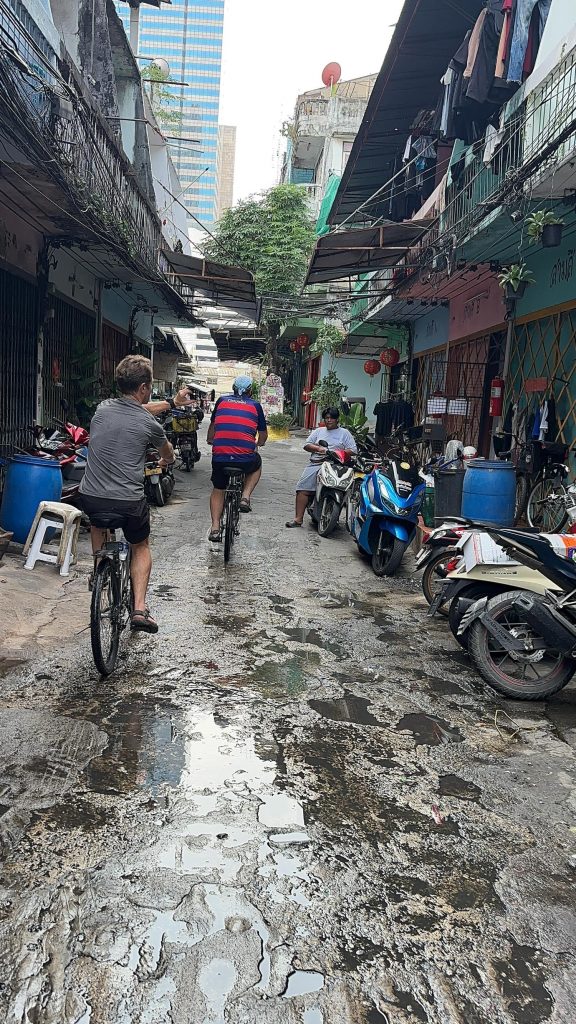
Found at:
(332, 73)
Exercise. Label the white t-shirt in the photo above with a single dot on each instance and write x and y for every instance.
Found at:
(339, 437)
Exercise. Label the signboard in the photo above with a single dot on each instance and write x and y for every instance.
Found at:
(272, 395)
(479, 308)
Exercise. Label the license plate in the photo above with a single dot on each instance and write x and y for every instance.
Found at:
(153, 474)
(185, 448)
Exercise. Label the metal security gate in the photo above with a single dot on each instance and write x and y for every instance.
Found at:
(69, 363)
(115, 345)
(456, 389)
(18, 328)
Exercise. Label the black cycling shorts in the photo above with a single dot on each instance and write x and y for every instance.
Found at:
(132, 517)
(219, 478)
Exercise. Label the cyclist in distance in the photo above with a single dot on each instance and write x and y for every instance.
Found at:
(237, 429)
(112, 489)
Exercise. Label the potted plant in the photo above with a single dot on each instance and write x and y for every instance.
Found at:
(515, 279)
(328, 391)
(547, 226)
(278, 424)
(356, 421)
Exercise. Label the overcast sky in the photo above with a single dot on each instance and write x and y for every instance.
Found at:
(276, 49)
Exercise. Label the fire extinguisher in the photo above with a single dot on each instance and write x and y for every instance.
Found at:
(496, 397)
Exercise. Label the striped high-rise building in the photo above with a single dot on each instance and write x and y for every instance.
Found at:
(188, 35)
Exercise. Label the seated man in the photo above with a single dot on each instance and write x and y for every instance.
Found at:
(237, 428)
(334, 437)
(112, 489)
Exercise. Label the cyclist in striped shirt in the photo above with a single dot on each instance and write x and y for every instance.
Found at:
(237, 429)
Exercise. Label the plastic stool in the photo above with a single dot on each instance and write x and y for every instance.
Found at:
(53, 515)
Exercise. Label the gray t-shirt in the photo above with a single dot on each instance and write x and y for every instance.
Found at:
(120, 431)
(339, 437)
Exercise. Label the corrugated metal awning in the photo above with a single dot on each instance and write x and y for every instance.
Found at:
(349, 253)
(216, 284)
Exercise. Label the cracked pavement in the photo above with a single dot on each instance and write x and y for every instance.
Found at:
(296, 805)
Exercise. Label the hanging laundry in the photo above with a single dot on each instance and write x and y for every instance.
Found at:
(505, 35)
(519, 43)
(474, 43)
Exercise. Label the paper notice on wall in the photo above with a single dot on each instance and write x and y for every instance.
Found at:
(272, 395)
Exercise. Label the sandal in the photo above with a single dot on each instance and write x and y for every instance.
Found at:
(245, 505)
(294, 523)
(142, 621)
(215, 536)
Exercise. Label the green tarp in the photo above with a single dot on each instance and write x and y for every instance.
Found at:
(322, 226)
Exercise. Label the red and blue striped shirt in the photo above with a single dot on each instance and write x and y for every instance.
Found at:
(236, 421)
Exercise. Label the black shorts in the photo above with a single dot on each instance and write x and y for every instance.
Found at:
(219, 478)
(132, 517)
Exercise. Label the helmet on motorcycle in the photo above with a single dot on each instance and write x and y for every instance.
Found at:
(469, 452)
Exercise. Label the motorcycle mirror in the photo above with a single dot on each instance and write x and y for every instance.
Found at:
(323, 444)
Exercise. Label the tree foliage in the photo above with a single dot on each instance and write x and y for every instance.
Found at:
(271, 235)
(161, 99)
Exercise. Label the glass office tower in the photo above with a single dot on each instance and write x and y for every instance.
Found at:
(188, 35)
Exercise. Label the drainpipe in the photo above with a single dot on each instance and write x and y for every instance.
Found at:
(135, 28)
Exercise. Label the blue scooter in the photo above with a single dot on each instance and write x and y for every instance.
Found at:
(384, 520)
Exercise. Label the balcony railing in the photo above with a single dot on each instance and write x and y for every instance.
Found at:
(57, 135)
(540, 133)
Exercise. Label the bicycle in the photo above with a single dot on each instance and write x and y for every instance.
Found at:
(231, 513)
(111, 604)
(546, 508)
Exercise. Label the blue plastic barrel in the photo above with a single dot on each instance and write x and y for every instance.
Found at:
(29, 481)
(489, 492)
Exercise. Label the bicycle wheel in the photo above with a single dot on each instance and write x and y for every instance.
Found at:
(546, 509)
(521, 497)
(229, 528)
(104, 617)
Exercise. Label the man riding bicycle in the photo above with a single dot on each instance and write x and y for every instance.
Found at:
(112, 488)
(237, 428)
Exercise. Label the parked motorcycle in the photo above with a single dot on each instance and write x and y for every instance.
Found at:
(484, 578)
(182, 431)
(384, 523)
(438, 556)
(158, 479)
(335, 477)
(523, 643)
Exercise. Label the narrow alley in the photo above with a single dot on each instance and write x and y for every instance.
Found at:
(296, 805)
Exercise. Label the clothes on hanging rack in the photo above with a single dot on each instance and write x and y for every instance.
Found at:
(524, 9)
(396, 412)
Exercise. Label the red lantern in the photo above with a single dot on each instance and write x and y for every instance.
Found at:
(372, 367)
(390, 357)
(302, 341)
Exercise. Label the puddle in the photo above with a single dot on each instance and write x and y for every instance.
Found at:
(436, 683)
(301, 982)
(453, 785)
(428, 730)
(285, 678)
(305, 635)
(280, 810)
(522, 981)
(7, 665)
(349, 708)
(216, 980)
(146, 748)
(313, 1016)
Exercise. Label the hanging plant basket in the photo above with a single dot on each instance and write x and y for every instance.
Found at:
(517, 292)
(552, 235)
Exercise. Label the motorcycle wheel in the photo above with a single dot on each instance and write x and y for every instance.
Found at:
(434, 575)
(157, 494)
(388, 555)
(329, 515)
(521, 680)
(546, 511)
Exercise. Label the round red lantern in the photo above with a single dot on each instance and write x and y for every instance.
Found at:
(372, 367)
(389, 357)
(303, 341)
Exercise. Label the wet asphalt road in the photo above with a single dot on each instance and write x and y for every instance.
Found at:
(297, 805)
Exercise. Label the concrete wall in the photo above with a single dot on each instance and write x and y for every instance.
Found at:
(431, 330)
(165, 365)
(19, 243)
(561, 20)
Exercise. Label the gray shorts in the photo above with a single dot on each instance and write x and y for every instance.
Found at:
(307, 481)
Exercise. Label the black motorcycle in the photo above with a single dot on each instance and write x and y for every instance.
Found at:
(159, 480)
(522, 643)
